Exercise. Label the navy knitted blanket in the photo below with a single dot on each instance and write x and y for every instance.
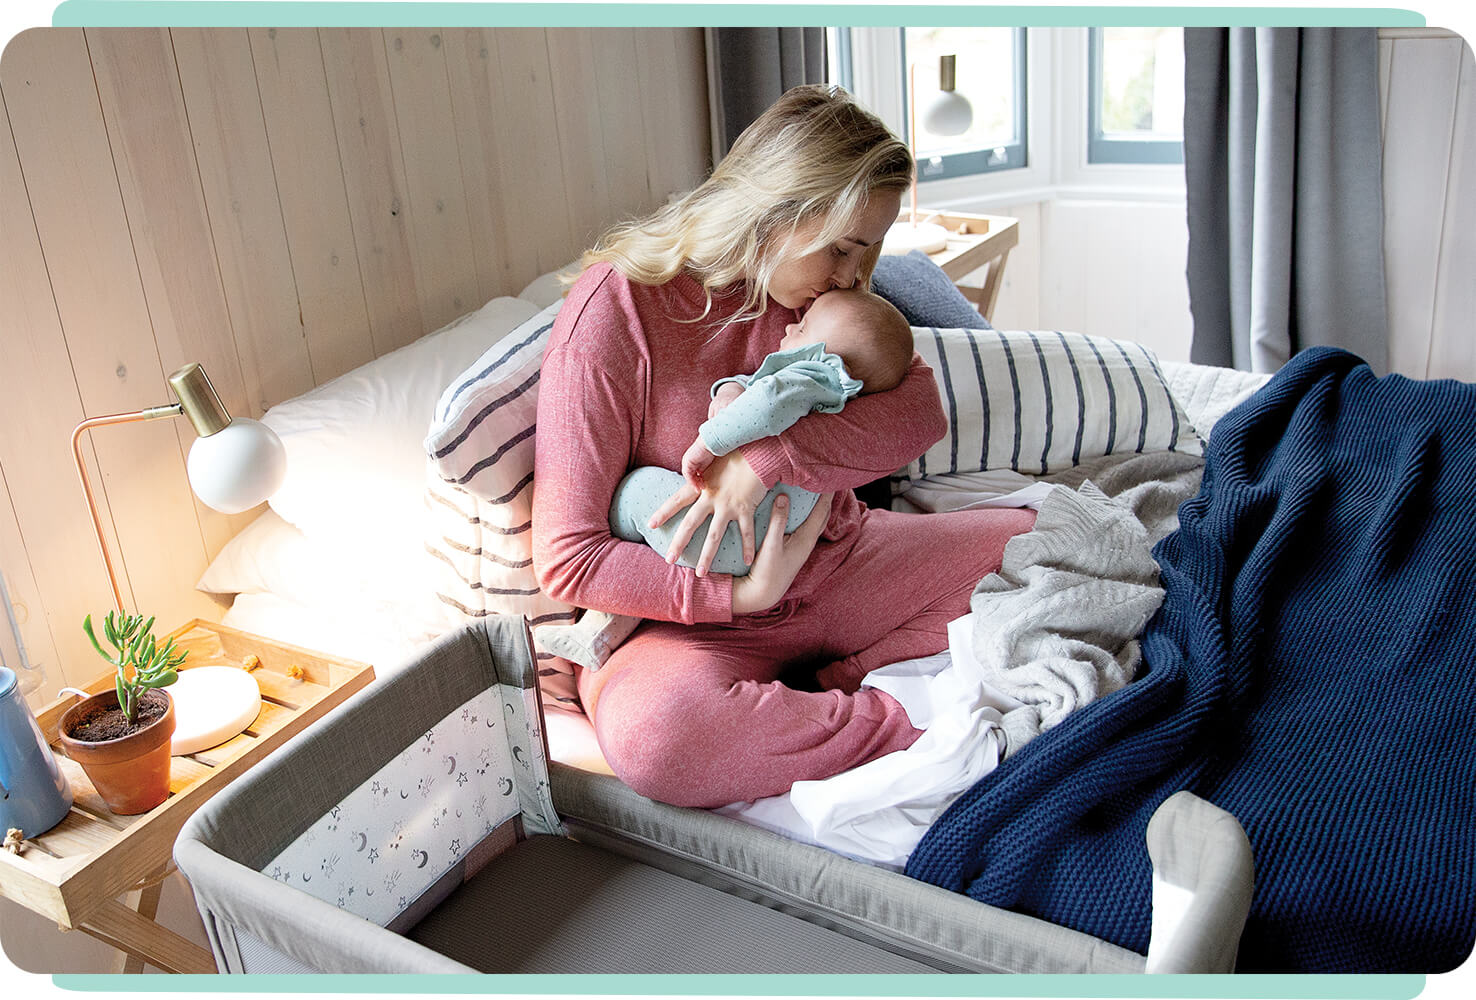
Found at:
(1312, 671)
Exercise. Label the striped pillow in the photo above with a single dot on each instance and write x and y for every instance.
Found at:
(1040, 401)
(480, 493)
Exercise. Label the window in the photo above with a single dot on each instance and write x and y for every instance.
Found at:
(873, 64)
(1136, 100)
(1089, 112)
(990, 74)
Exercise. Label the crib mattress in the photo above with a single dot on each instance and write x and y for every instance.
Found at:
(921, 922)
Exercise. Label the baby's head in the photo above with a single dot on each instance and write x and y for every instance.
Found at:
(864, 329)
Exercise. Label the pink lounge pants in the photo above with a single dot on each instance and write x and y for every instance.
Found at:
(693, 714)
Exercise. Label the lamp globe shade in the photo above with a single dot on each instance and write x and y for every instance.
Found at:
(948, 113)
(237, 467)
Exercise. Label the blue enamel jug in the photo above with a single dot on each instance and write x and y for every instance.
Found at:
(34, 794)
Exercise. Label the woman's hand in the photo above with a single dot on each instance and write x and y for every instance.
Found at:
(779, 558)
(731, 492)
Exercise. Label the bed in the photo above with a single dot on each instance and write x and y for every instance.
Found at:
(1044, 755)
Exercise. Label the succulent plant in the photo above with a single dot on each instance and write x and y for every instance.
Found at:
(142, 663)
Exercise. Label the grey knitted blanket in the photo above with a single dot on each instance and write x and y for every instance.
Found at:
(1058, 625)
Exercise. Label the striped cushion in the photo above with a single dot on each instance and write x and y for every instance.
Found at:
(480, 494)
(1039, 401)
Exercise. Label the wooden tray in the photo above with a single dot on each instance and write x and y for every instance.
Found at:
(92, 856)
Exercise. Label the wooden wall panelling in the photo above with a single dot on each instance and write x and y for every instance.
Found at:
(1112, 247)
(73, 187)
(626, 144)
(445, 261)
(26, 609)
(471, 67)
(1064, 268)
(673, 94)
(373, 176)
(49, 558)
(241, 195)
(218, 81)
(581, 132)
(1453, 343)
(1417, 155)
(311, 186)
(20, 594)
(153, 153)
(1164, 322)
(1018, 306)
(537, 207)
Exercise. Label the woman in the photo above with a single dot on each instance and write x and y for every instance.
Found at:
(690, 709)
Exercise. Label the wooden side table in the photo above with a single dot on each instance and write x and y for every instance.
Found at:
(75, 871)
(974, 242)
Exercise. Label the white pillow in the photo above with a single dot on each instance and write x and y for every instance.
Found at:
(355, 466)
(1037, 401)
(270, 556)
(479, 475)
(546, 289)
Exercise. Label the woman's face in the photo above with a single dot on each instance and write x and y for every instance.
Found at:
(799, 280)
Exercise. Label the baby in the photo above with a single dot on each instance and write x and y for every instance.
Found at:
(849, 342)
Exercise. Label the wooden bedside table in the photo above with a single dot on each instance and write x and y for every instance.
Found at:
(974, 241)
(75, 871)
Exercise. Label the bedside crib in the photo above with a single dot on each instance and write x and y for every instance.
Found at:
(321, 860)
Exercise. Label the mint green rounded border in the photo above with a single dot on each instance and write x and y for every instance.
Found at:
(227, 13)
(1280, 987)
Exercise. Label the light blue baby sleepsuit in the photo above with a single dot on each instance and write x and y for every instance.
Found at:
(787, 385)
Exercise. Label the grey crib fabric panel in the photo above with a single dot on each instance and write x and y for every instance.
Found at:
(299, 788)
(237, 902)
(255, 817)
(508, 648)
(882, 907)
(397, 843)
(588, 902)
(255, 958)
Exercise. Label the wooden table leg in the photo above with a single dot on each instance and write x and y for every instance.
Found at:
(147, 906)
(116, 925)
(992, 283)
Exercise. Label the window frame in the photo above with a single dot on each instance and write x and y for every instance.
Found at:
(974, 162)
(1102, 149)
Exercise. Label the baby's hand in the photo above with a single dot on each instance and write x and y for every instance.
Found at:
(727, 392)
(695, 460)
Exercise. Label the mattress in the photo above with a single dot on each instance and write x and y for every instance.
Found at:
(942, 929)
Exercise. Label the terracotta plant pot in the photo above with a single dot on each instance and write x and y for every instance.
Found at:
(131, 773)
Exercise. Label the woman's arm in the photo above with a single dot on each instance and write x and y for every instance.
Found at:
(588, 422)
(874, 435)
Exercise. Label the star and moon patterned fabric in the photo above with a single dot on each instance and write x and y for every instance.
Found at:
(394, 836)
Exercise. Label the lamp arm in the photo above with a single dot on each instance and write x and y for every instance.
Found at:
(151, 413)
(912, 134)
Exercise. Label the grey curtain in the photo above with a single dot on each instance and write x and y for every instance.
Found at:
(1282, 157)
(747, 70)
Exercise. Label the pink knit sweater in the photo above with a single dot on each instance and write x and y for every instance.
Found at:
(625, 383)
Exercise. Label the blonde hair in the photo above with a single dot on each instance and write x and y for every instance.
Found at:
(814, 153)
(869, 334)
